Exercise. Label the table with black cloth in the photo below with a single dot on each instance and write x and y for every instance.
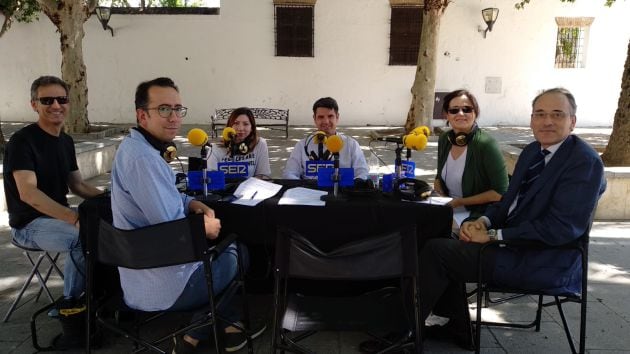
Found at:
(337, 223)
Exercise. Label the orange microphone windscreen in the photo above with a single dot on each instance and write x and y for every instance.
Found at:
(228, 134)
(334, 144)
(197, 137)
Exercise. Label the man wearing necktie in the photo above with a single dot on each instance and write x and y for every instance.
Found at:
(553, 191)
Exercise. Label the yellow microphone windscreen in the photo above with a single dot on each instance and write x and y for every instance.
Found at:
(197, 137)
(423, 129)
(415, 142)
(228, 134)
(320, 137)
(334, 144)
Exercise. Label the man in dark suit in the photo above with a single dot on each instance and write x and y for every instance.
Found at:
(553, 191)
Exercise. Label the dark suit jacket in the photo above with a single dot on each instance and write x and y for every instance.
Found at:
(556, 211)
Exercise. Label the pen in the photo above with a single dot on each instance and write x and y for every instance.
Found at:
(253, 195)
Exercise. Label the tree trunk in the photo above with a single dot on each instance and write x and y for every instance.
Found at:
(68, 16)
(422, 91)
(617, 151)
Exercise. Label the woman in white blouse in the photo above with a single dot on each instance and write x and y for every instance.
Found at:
(246, 146)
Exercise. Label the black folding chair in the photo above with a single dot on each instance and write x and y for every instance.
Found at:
(392, 255)
(35, 272)
(181, 241)
(580, 246)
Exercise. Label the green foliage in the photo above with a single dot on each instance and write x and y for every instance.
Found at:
(20, 10)
(521, 4)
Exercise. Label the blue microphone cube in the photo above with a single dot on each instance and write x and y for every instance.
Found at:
(325, 177)
(216, 180)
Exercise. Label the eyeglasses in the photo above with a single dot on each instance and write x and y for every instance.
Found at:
(553, 115)
(165, 111)
(47, 101)
(465, 109)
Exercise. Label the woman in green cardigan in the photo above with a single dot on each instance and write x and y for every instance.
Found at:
(471, 169)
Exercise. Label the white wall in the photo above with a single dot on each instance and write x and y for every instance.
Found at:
(228, 60)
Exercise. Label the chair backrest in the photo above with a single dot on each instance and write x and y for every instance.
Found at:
(387, 255)
(169, 243)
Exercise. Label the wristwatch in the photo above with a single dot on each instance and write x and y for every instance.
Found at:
(492, 234)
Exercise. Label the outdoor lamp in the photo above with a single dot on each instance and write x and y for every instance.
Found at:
(104, 13)
(489, 17)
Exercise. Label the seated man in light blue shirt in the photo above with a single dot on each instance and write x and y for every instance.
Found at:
(326, 117)
(144, 193)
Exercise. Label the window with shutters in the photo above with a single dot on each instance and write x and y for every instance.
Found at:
(294, 30)
(404, 41)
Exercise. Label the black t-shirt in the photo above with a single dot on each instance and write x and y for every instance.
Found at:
(51, 158)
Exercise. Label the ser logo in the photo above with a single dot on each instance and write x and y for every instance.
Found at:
(313, 166)
(233, 169)
(409, 169)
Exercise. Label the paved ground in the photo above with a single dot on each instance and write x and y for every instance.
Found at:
(609, 271)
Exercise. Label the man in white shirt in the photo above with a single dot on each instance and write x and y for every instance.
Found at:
(326, 118)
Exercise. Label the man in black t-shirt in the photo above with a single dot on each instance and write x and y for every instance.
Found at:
(40, 166)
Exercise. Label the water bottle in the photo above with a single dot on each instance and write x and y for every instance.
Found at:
(374, 165)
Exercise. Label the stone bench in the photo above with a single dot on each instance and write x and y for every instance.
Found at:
(277, 119)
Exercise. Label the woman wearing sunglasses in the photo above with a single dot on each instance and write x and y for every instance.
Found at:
(241, 144)
(471, 169)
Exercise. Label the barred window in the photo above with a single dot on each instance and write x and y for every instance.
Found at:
(571, 41)
(404, 41)
(294, 31)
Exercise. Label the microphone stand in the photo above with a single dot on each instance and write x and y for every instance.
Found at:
(204, 170)
(204, 175)
(398, 161)
(336, 178)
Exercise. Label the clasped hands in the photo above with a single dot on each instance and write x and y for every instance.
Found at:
(474, 231)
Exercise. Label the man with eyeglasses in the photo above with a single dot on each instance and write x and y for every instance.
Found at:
(553, 191)
(144, 193)
(40, 165)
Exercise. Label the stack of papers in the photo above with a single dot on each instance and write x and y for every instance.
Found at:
(254, 190)
(302, 196)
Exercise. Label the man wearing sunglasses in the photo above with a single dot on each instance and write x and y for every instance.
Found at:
(40, 165)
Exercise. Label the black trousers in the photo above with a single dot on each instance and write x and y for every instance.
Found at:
(443, 261)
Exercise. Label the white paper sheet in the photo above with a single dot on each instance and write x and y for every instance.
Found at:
(436, 200)
(254, 190)
(302, 196)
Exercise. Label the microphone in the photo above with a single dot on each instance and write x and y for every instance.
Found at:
(391, 139)
(417, 139)
(415, 142)
(334, 144)
(228, 134)
(319, 137)
(423, 129)
(197, 137)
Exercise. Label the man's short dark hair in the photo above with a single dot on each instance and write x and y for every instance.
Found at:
(142, 91)
(562, 91)
(326, 102)
(47, 81)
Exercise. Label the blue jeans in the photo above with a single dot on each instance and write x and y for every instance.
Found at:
(54, 235)
(195, 294)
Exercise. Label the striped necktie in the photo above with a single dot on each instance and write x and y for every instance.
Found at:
(532, 174)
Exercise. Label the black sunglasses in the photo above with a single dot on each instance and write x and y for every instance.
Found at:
(466, 109)
(49, 100)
